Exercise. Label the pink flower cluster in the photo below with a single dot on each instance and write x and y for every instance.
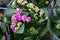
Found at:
(31, 4)
(20, 1)
(12, 26)
(40, 13)
(18, 17)
(26, 19)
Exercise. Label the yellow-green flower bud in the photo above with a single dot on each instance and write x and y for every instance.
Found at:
(19, 24)
(24, 2)
(27, 5)
(36, 8)
(47, 2)
(35, 16)
(29, 9)
(13, 3)
(16, 28)
(32, 30)
(58, 26)
(46, 18)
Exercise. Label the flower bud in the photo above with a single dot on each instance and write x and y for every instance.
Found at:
(16, 28)
(19, 11)
(19, 24)
(28, 19)
(41, 12)
(36, 8)
(32, 30)
(29, 9)
(13, 3)
(58, 26)
(47, 2)
(35, 16)
(46, 18)
(31, 5)
(20, 1)
(24, 2)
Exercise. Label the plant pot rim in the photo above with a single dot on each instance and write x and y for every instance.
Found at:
(52, 34)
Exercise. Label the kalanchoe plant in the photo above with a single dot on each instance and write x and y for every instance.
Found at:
(25, 21)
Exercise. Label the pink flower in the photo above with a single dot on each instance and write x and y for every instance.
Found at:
(12, 26)
(14, 30)
(40, 13)
(31, 5)
(13, 23)
(19, 11)
(24, 2)
(19, 17)
(23, 18)
(36, 8)
(14, 18)
(4, 37)
(28, 19)
(20, 1)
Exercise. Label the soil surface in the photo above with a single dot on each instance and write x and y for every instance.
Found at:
(46, 36)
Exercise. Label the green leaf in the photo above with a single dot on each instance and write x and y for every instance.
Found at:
(57, 21)
(43, 31)
(58, 12)
(26, 13)
(41, 20)
(46, 12)
(36, 32)
(9, 12)
(15, 6)
(27, 38)
(0, 37)
(3, 27)
(21, 29)
(58, 2)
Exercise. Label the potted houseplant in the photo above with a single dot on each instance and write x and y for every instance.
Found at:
(25, 21)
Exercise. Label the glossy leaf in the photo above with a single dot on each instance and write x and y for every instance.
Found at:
(9, 12)
(21, 29)
(3, 27)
